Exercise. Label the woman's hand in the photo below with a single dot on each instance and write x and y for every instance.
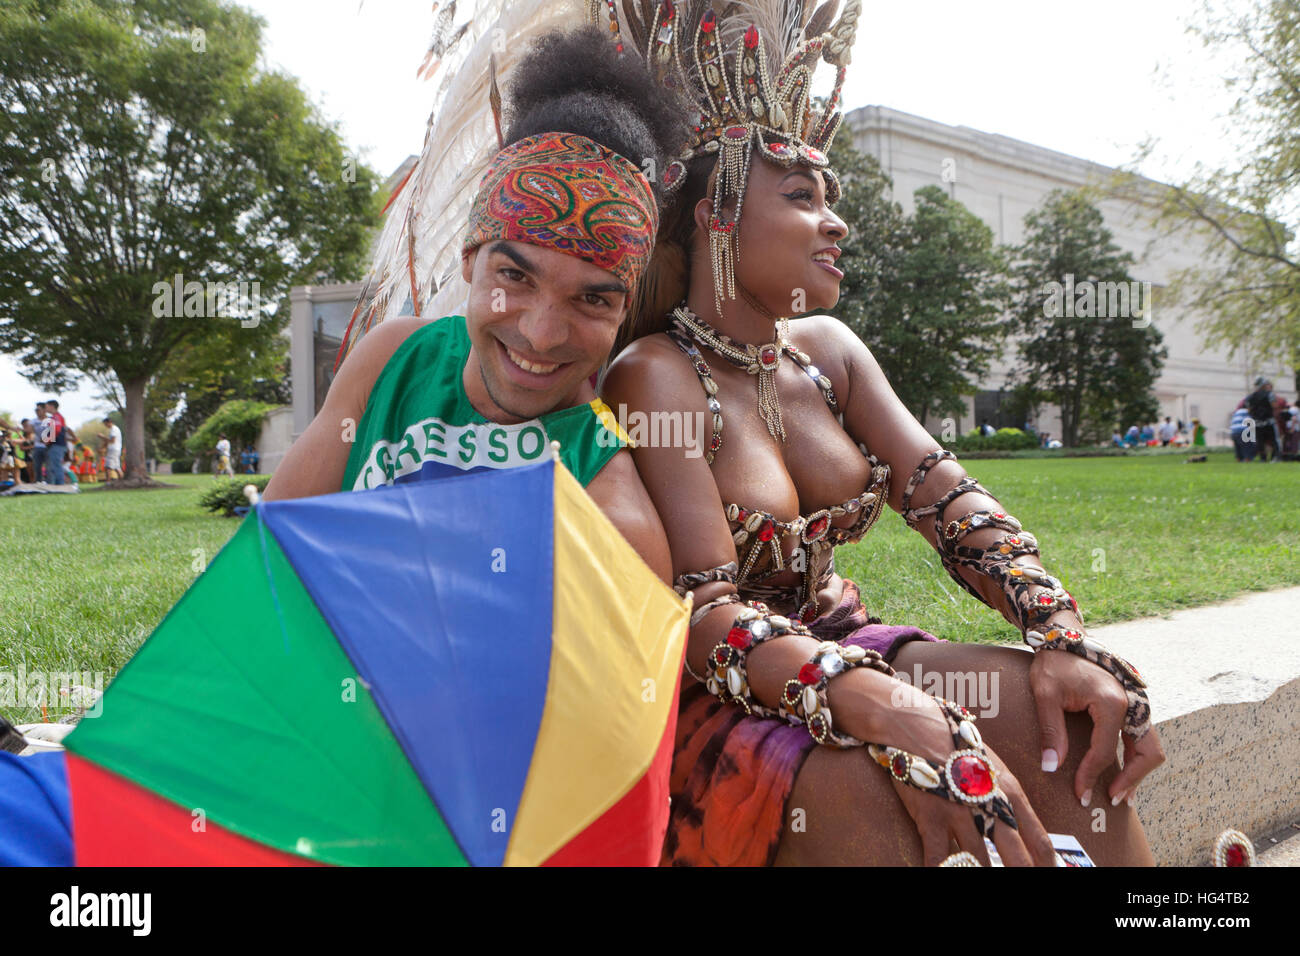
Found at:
(918, 725)
(1062, 682)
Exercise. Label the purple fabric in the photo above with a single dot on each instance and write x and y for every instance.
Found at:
(850, 624)
(732, 774)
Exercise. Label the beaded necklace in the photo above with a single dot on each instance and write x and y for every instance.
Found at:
(760, 360)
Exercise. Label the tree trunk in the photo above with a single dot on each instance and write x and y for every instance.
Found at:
(133, 440)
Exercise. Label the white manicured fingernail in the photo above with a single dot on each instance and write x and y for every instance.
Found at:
(1086, 798)
(1051, 760)
(1114, 801)
(1131, 795)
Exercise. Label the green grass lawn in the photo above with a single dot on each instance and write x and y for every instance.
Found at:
(86, 577)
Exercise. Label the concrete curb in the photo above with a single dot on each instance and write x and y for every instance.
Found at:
(1225, 692)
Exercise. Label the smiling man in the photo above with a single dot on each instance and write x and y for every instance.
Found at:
(559, 234)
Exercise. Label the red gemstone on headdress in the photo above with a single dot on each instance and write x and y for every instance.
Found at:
(1235, 855)
(972, 776)
(778, 148)
(1045, 599)
(736, 132)
(765, 531)
(768, 355)
(739, 637)
(899, 765)
(810, 673)
(709, 22)
(751, 37)
(816, 155)
(817, 527)
(999, 514)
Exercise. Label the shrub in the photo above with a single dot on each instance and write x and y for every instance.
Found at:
(228, 494)
(1005, 439)
(240, 420)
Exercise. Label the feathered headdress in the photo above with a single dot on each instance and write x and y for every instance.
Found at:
(416, 264)
(748, 65)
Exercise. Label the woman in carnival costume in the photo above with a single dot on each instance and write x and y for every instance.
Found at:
(797, 741)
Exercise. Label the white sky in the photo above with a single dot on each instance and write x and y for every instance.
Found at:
(1092, 80)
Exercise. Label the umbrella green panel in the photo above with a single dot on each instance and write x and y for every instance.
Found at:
(243, 705)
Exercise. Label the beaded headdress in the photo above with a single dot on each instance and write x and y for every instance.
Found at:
(748, 69)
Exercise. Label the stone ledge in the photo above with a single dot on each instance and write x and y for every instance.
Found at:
(1225, 693)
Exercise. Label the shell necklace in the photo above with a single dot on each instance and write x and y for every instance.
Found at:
(760, 360)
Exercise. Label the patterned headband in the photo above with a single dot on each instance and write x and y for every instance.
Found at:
(563, 191)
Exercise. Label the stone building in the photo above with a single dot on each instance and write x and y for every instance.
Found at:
(1000, 180)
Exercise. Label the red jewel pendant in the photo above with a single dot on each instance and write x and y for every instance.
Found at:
(765, 531)
(1235, 855)
(972, 776)
(751, 37)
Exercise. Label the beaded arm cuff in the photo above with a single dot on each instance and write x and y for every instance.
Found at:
(804, 701)
(1033, 594)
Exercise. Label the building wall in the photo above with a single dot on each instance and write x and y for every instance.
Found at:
(1000, 180)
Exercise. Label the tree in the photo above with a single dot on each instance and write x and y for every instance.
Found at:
(1246, 287)
(156, 189)
(1087, 344)
(926, 292)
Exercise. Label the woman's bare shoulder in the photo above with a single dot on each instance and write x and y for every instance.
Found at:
(652, 372)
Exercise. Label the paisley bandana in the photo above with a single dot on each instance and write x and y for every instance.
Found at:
(563, 191)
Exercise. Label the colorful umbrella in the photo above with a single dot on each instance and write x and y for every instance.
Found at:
(472, 670)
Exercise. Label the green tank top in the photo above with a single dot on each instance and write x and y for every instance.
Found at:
(419, 423)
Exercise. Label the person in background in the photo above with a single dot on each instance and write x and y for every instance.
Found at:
(1167, 431)
(112, 451)
(986, 429)
(248, 459)
(40, 452)
(1261, 404)
(1291, 432)
(56, 443)
(1243, 449)
(223, 457)
(1198, 433)
(8, 463)
(1131, 436)
(1147, 436)
(1116, 439)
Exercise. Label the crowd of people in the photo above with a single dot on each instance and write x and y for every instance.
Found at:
(1265, 426)
(44, 450)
